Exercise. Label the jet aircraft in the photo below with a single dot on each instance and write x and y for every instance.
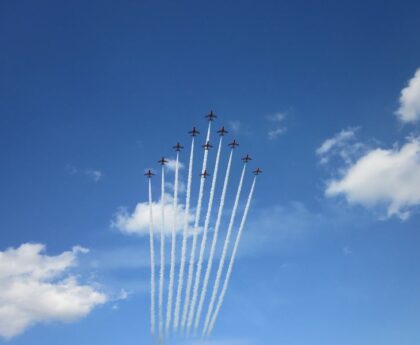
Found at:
(233, 144)
(211, 116)
(247, 158)
(222, 131)
(207, 146)
(162, 161)
(149, 174)
(194, 132)
(178, 147)
(205, 174)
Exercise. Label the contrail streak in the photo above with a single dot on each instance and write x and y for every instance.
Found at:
(162, 257)
(224, 252)
(232, 259)
(213, 245)
(152, 263)
(195, 234)
(184, 241)
(172, 269)
(204, 240)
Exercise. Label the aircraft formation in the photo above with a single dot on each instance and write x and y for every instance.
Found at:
(190, 280)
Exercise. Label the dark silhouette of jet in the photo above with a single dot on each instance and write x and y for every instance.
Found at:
(205, 174)
(247, 158)
(211, 116)
(162, 161)
(178, 147)
(194, 132)
(222, 131)
(234, 144)
(207, 146)
(149, 174)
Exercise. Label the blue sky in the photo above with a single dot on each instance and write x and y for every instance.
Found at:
(92, 93)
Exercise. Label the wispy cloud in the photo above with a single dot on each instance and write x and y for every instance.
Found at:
(277, 126)
(279, 225)
(94, 174)
(347, 251)
(235, 126)
(343, 144)
(337, 140)
(409, 110)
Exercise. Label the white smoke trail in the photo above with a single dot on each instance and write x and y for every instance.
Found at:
(224, 252)
(152, 263)
(162, 257)
(195, 235)
(213, 245)
(204, 239)
(172, 269)
(232, 259)
(184, 241)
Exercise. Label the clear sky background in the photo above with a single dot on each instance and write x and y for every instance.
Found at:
(94, 92)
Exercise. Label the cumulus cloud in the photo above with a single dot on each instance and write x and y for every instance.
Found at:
(277, 126)
(409, 110)
(387, 178)
(34, 289)
(137, 222)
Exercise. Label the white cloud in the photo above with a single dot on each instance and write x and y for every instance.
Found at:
(347, 251)
(409, 110)
(277, 126)
(337, 140)
(171, 165)
(275, 133)
(122, 295)
(138, 221)
(33, 289)
(341, 144)
(93, 174)
(235, 126)
(387, 178)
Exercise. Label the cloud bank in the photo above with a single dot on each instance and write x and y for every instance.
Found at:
(409, 110)
(33, 289)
